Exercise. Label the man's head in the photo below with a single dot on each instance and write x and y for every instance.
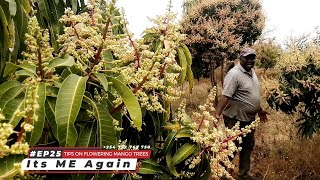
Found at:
(247, 58)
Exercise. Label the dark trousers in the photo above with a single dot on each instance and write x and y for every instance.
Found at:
(247, 146)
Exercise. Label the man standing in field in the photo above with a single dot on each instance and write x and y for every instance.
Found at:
(240, 101)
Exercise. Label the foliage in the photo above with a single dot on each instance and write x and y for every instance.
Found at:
(92, 85)
(14, 20)
(267, 54)
(297, 89)
(216, 30)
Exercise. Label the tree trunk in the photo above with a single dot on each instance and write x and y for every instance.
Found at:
(213, 81)
(212, 76)
(222, 71)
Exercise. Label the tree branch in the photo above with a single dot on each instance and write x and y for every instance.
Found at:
(162, 69)
(27, 120)
(137, 54)
(97, 57)
(40, 69)
(75, 30)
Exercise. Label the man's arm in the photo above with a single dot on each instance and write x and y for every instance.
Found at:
(230, 86)
(221, 105)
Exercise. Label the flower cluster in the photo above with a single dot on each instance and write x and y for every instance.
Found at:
(116, 124)
(186, 174)
(218, 142)
(22, 175)
(90, 38)
(38, 52)
(5, 131)
(193, 161)
(17, 148)
(157, 64)
(81, 38)
(31, 104)
(136, 176)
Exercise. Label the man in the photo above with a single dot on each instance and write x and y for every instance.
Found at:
(240, 101)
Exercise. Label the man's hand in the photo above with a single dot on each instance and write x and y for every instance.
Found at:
(263, 116)
(219, 117)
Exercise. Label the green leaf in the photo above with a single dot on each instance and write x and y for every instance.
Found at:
(49, 109)
(183, 152)
(171, 167)
(187, 54)
(130, 100)
(10, 68)
(207, 174)
(52, 91)
(10, 94)
(186, 117)
(108, 57)
(44, 9)
(34, 136)
(67, 108)
(83, 115)
(12, 33)
(103, 80)
(24, 73)
(57, 10)
(22, 21)
(102, 176)
(184, 132)
(10, 110)
(54, 30)
(12, 7)
(16, 45)
(74, 5)
(83, 4)
(7, 85)
(87, 135)
(149, 166)
(169, 142)
(5, 35)
(170, 126)
(157, 122)
(65, 74)
(168, 111)
(190, 78)
(7, 169)
(28, 67)
(58, 62)
(183, 64)
(151, 36)
(26, 6)
(106, 132)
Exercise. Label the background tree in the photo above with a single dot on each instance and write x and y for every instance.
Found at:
(268, 52)
(218, 29)
(297, 90)
(300, 42)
